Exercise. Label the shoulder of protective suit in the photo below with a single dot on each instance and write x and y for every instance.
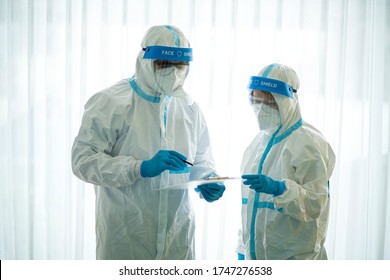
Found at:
(313, 132)
(309, 139)
(117, 95)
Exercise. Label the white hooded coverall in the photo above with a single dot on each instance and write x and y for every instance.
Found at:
(123, 125)
(292, 225)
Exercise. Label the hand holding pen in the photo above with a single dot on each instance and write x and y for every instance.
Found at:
(161, 161)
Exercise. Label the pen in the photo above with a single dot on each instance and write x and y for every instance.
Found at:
(188, 162)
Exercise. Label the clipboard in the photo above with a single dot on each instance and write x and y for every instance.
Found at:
(195, 183)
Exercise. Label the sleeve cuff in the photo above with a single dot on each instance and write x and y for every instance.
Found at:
(137, 170)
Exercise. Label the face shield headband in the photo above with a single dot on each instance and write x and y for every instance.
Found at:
(168, 53)
(271, 85)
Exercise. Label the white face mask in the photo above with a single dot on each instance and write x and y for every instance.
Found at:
(267, 117)
(169, 79)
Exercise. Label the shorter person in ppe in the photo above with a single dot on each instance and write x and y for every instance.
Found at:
(285, 187)
(140, 135)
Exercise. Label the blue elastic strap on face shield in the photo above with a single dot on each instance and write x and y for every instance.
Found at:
(271, 85)
(168, 53)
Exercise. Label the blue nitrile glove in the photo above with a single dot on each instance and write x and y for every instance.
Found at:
(161, 161)
(264, 184)
(212, 191)
(240, 257)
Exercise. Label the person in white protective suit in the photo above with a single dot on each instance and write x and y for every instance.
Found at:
(286, 171)
(140, 135)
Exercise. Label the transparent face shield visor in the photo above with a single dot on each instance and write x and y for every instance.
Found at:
(266, 99)
(170, 65)
(164, 64)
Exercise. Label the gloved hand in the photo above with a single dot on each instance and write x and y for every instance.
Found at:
(161, 161)
(212, 191)
(264, 184)
(240, 257)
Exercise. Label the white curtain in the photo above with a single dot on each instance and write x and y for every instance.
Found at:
(55, 54)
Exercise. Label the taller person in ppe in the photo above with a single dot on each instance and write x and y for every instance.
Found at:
(285, 188)
(140, 135)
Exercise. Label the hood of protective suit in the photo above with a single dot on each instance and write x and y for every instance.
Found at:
(288, 107)
(145, 76)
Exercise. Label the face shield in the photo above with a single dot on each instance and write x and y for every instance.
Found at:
(265, 108)
(263, 102)
(271, 85)
(171, 65)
